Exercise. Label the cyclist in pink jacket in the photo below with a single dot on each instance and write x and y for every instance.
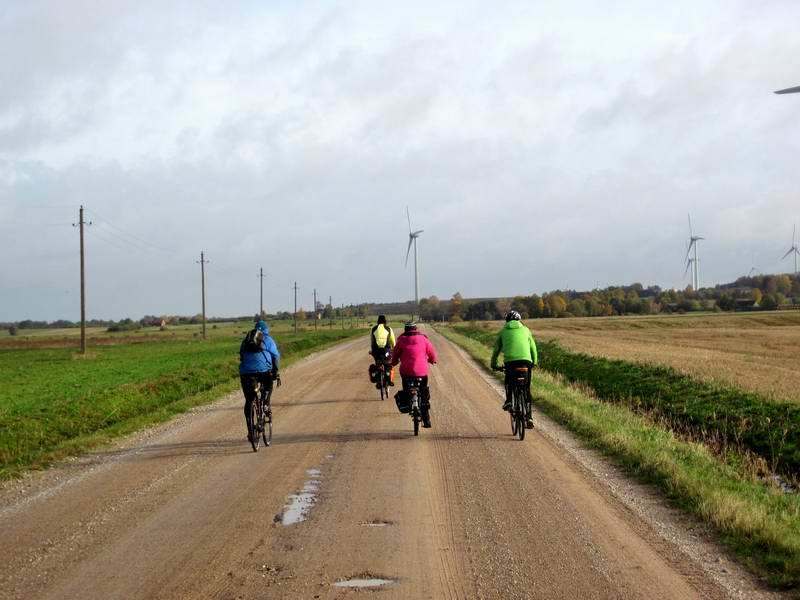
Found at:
(413, 352)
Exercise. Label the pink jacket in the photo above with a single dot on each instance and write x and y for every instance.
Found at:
(413, 351)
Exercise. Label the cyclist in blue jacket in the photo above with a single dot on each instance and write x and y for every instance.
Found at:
(259, 360)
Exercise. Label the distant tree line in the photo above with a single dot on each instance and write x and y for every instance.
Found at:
(758, 292)
(763, 292)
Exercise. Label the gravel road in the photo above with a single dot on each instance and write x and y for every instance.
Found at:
(345, 495)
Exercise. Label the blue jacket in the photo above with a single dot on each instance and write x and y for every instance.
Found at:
(260, 362)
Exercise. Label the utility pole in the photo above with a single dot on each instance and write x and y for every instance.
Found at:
(80, 225)
(203, 263)
(341, 314)
(330, 303)
(295, 307)
(261, 297)
(315, 309)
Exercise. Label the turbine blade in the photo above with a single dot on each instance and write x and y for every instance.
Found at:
(408, 215)
(416, 233)
(410, 241)
(691, 233)
(689, 249)
(791, 90)
(688, 264)
(788, 253)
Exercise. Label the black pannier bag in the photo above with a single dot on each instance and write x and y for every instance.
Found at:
(403, 401)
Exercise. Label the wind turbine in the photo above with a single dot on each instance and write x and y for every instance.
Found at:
(412, 239)
(693, 262)
(793, 249)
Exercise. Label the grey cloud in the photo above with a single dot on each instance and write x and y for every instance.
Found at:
(535, 148)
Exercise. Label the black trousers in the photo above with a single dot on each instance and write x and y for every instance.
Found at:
(380, 354)
(248, 382)
(511, 366)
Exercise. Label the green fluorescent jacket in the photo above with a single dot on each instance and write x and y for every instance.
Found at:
(515, 341)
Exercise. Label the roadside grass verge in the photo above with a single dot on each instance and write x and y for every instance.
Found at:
(756, 520)
(54, 405)
(722, 415)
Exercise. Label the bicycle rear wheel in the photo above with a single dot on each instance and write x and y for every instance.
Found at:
(266, 430)
(519, 412)
(512, 414)
(252, 425)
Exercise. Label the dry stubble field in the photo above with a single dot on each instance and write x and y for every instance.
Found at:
(756, 351)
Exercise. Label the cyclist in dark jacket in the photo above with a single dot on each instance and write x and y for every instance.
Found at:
(258, 366)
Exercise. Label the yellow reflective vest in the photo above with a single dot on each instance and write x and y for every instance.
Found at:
(383, 336)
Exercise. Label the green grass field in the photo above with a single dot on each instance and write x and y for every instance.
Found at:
(55, 402)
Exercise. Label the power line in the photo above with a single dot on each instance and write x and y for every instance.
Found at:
(131, 235)
(113, 241)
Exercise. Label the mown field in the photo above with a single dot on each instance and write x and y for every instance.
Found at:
(55, 402)
(759, 352)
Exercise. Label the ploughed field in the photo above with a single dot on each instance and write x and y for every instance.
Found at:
(759, 352)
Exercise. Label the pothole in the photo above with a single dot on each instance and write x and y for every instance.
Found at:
(364, 583)
(376, 523)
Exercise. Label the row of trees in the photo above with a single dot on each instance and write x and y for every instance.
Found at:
(764, 293)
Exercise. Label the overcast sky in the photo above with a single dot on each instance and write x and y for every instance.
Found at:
(540, 145)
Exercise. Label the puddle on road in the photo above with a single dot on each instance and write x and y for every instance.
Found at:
(298, 508)
(364, 583)
(299, 505)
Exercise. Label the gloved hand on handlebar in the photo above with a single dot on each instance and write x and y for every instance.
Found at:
(277, 378)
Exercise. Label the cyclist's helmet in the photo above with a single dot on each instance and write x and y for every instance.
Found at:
(513, 315)
(410, 326)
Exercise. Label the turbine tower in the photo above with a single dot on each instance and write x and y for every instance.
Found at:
(793, 249)
(693, 261)
(412, 239)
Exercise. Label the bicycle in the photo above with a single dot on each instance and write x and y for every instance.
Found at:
(260, 424)
(520, 409)
(416, 399)
(383, 366)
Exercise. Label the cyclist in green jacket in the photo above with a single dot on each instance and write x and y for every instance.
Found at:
(516, 343)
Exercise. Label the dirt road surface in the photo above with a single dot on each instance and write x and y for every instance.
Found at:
(188, 510)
